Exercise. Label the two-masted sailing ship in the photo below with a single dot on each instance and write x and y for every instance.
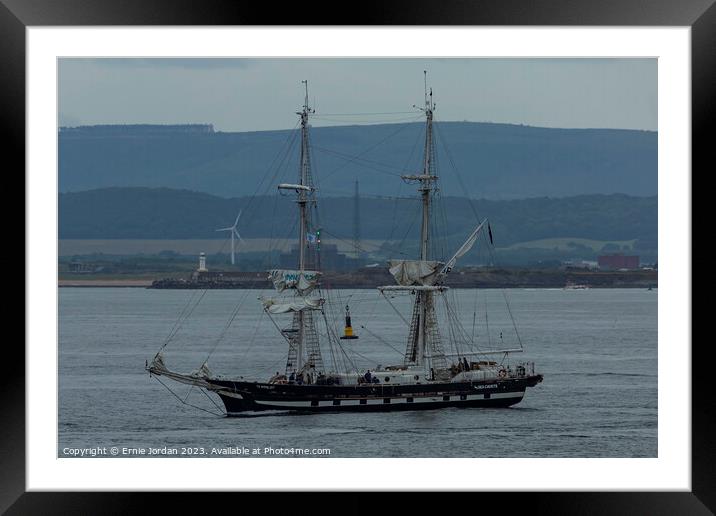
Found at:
(429, 377)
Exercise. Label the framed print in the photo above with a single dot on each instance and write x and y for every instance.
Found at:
(522, 232)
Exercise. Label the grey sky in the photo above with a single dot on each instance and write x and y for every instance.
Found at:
(263, 93)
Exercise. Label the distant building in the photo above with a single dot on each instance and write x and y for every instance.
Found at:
(259, 278)
(80, 267)
(580, 264)
(330, 259)
(618, 261)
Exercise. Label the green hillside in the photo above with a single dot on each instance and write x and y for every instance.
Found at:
(544, 228)
(494, 161)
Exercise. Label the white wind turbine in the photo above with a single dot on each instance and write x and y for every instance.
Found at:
(234, 232)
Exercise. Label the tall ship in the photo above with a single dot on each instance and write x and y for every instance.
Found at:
(440, 368)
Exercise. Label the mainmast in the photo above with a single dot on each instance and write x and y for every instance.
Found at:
(427, 177)
(423, 277)
(424, 339)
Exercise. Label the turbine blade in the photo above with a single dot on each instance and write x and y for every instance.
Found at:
(237, 218)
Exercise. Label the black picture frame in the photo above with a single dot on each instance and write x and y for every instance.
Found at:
(17, 15)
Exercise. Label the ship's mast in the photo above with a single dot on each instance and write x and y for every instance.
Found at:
(425, 297)
(302, 336)
(302, 232)
(427, 177)
(425, 330)
(303, 181)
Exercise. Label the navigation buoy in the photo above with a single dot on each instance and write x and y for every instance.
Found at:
(348, 330)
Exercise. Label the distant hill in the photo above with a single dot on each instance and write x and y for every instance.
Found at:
(162, 213)
(495, 161)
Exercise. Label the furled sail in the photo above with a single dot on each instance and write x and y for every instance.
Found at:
(202, 372)
(282, 306)
(415, 272)
(303, 281)
(196, 378)
(464, 248)
(158, 362)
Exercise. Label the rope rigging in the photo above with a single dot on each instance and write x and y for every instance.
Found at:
(189, 308)
(184, 402)
(458, 337)
(488, 245)
(366, 150)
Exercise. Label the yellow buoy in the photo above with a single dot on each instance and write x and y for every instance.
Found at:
(348, 330)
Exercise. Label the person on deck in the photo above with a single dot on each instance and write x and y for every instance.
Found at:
(467, 365)
(367, 376)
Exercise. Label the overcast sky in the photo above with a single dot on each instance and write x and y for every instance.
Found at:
(260, 94)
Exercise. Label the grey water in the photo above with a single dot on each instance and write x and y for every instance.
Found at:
(597, 349)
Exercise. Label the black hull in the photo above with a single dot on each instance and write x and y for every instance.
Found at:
(242, 397)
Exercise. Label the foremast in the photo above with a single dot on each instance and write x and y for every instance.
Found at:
(304, 354)
(305, 181)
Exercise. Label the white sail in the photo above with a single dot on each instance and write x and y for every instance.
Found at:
(282, 306)
(303, 281)
(464, 248)
(415, 272)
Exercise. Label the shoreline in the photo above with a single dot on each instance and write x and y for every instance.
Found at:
(494, 279)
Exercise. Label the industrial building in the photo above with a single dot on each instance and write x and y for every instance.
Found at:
(618, 261)
(331, 259)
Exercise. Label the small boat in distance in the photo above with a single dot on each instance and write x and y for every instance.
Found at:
(570, 285)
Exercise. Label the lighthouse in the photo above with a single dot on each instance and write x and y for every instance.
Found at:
(202, 263)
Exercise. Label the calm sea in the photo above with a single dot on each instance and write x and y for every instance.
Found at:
(597, 349)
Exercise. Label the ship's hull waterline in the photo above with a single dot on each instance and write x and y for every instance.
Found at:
(242, 397)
